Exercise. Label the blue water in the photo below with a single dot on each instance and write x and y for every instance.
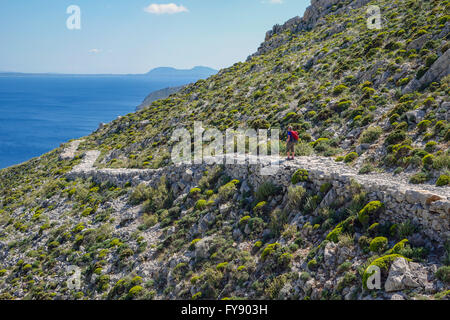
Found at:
(38, 113)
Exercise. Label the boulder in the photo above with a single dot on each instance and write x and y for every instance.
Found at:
(202, 248)
(362, 147)
(329, 254)
(415, 116)
(405, 275)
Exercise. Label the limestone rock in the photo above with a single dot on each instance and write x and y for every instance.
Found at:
(439, 69)
(202, 248)
(404, 275)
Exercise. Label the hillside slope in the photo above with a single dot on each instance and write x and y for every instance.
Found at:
(157, 95)
(374, 100)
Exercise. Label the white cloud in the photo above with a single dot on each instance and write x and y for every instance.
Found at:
(274, 1)
(95, 51)
(169, 8)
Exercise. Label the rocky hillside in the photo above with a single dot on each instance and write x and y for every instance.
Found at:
(367, 103)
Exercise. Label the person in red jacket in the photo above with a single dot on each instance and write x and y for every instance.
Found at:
(290, 144)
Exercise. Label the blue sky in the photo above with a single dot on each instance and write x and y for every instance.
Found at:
(134, 36)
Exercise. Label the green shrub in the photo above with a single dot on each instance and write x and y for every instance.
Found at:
(373, 229)
(268, 250)
(395, 137)
(197, 296)
(244, 220)
(258, 244)
(193, 243)
(259, 208)
(444, 180)
(325, 187)
(441, 161)
(222, 266)
(366, 169)
(343, 105)
(403, 82)
(352, 156)
(140, 194)
(439, 127)
(427, 161)
(334, 234)
(301, 175)
(148, 221)
(430, 146)
(228, 190)
(398, 247)
(201, 204)
(447, 135)
(285, 259)
(266, 190)
(371, 209)
(364, 243)
(371, 134)
(368, 92)
(135, 292)
(419, 178)
(378, 244)
(256, 225)
(339, 89)
(431, 59)
(443, 274)
(406, 229)
(312, 264)
(423, 125)
(195, 192)
(295, 196)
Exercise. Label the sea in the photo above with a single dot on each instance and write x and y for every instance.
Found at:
(38, 113)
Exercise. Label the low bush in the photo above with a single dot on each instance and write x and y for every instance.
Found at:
(378, 244)
(443, 274)
(352, 156)
(371, 209)
(443, 180)
(301, 175)
(371, 134)
(419, 178)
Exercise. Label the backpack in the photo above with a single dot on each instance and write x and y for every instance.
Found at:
(294, 135)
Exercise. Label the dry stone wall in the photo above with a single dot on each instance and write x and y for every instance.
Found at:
(424, 205)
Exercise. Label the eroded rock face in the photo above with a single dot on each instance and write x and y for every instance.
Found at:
(439, 70)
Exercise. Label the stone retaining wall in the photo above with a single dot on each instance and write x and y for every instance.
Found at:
(426, 206)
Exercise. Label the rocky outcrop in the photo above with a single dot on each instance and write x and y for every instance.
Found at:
(439, 70)
(311, 17)
(406, 275)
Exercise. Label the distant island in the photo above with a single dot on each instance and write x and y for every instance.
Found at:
(161, 73)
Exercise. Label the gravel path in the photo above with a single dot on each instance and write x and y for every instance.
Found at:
(69, 152)
(321, 166)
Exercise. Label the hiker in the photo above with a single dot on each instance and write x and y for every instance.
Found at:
(290, 144)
